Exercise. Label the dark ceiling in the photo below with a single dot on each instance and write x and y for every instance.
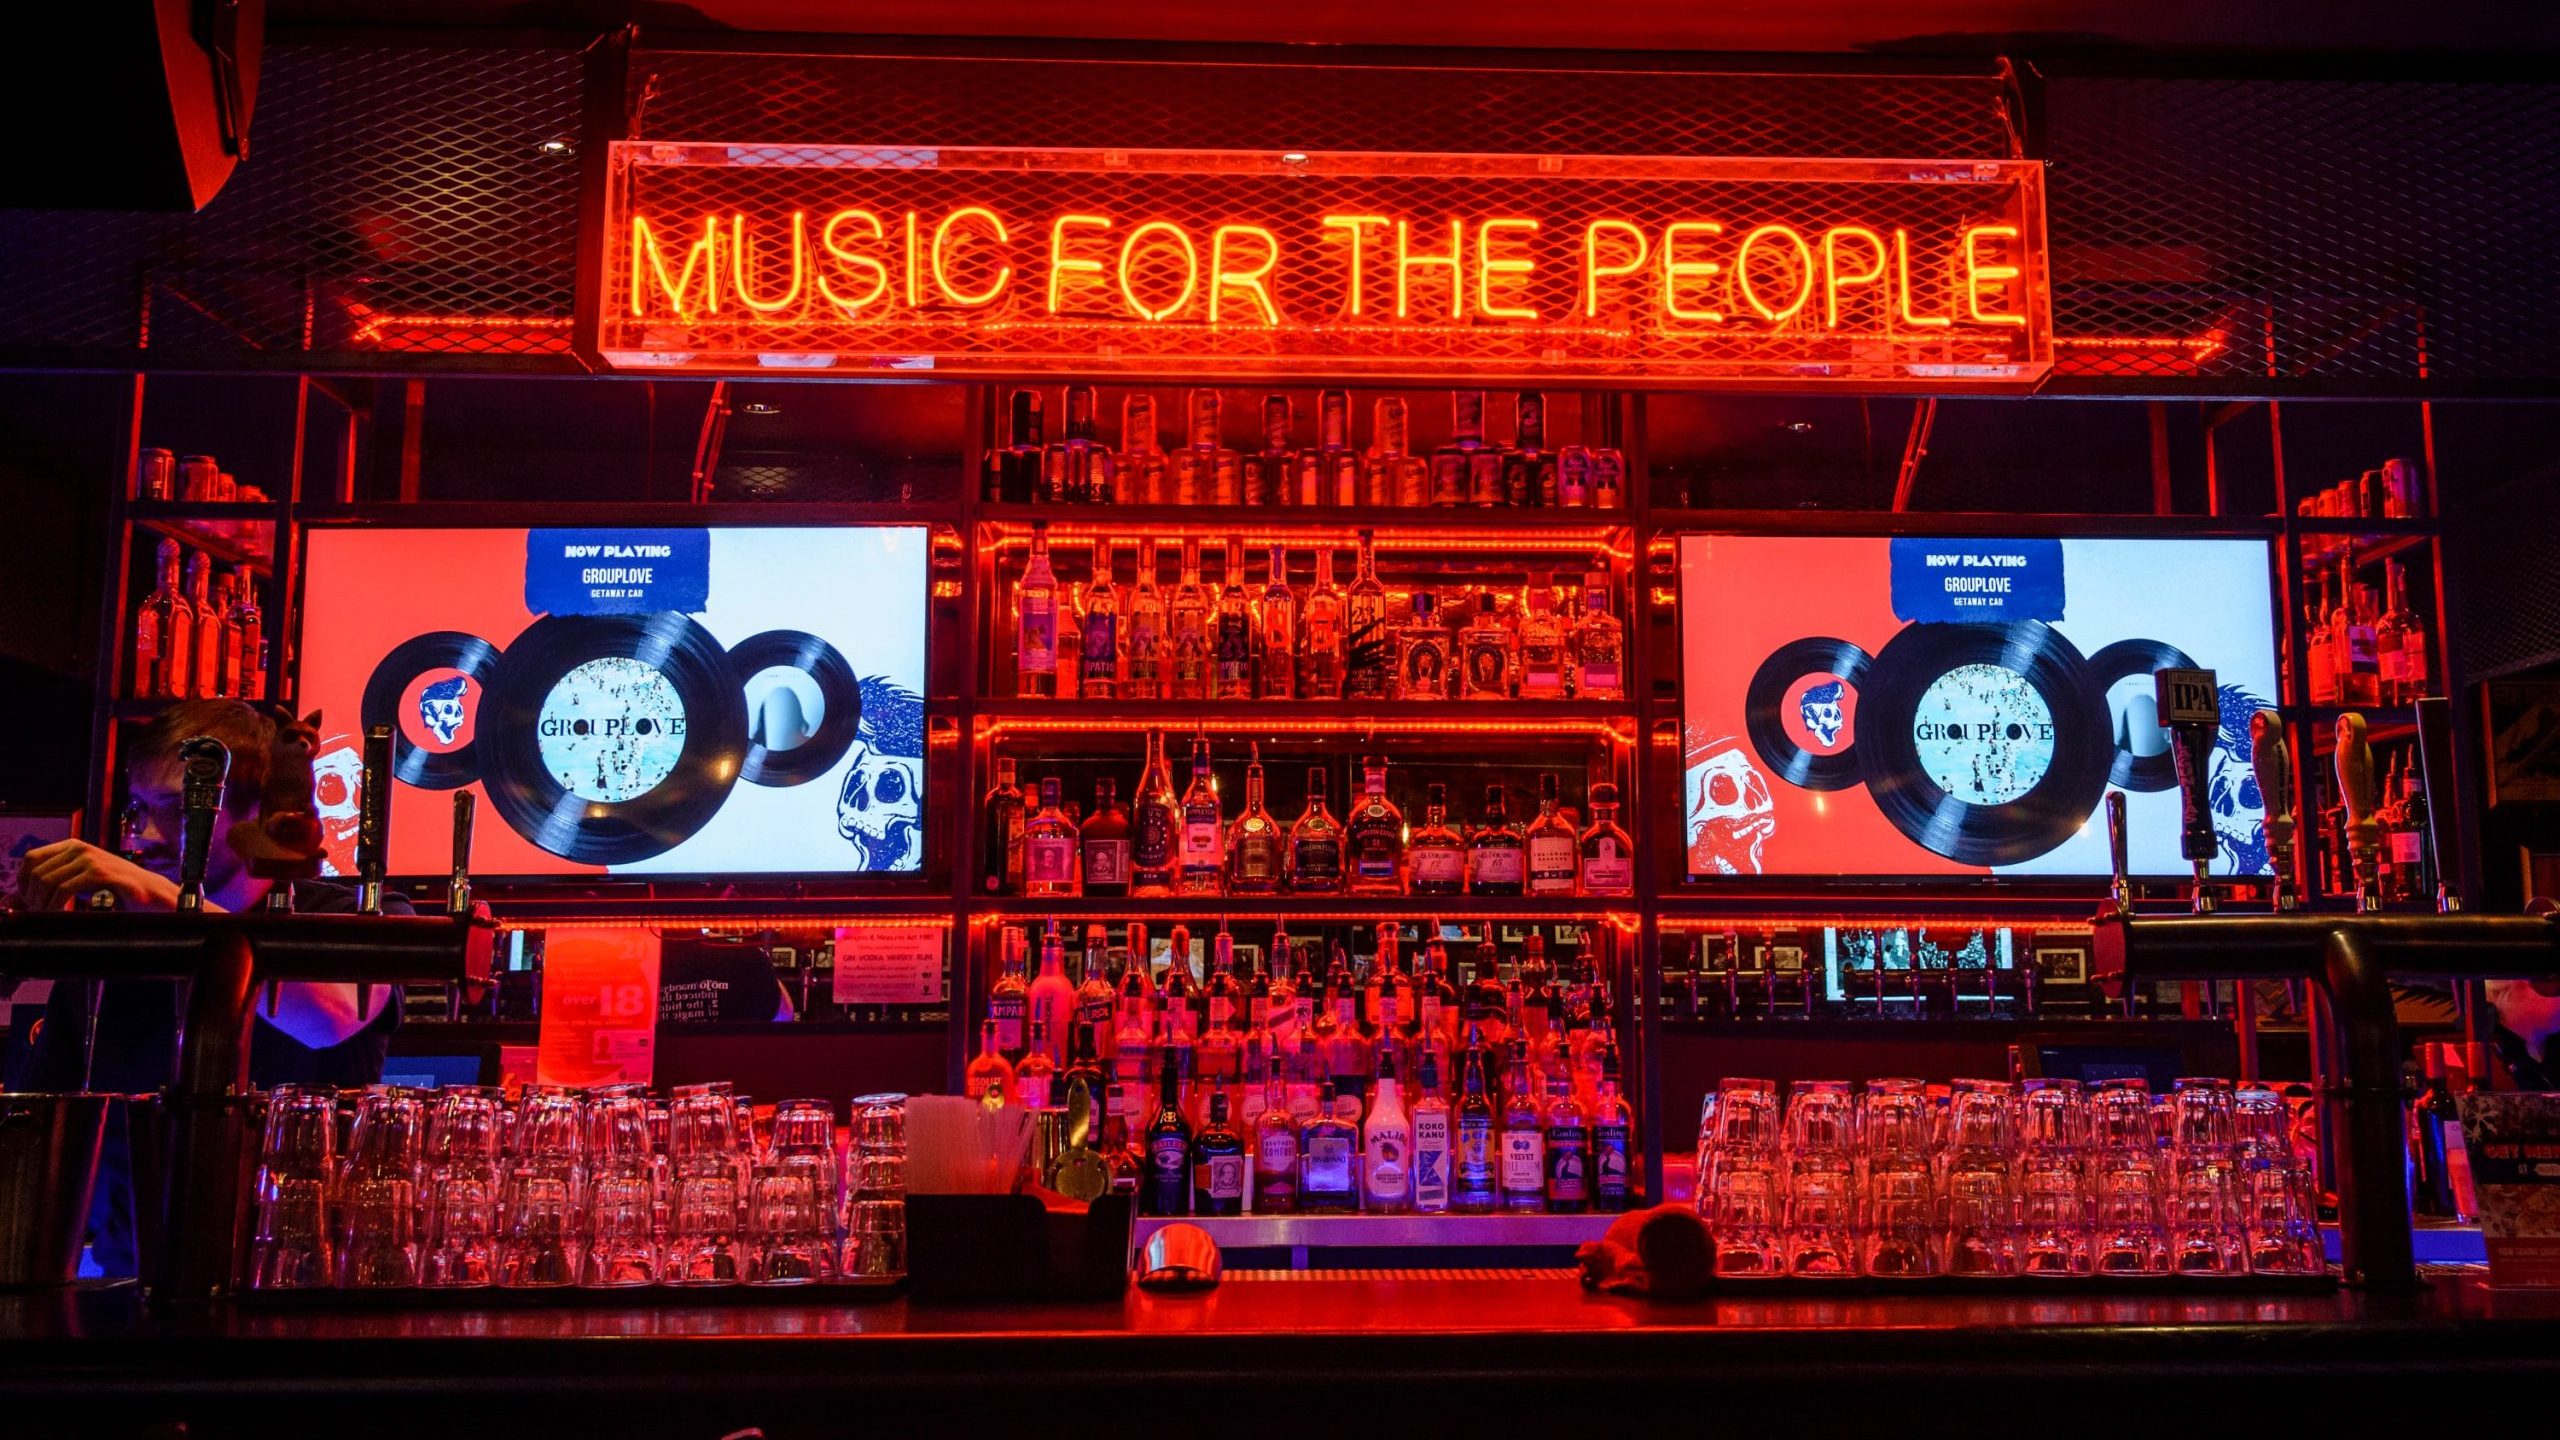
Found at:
(1950, 27)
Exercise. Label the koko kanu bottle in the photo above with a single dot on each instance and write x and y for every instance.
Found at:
(1204, 830)
(1554, 851)
(1276, 651)
(1431, 1139)
(1376, 835)
(1036, 622)
(1232, 670)
(1257, 850)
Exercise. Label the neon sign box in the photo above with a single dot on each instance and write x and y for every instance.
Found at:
(867, 259)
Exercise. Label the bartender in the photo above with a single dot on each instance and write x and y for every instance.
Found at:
(306, 1034)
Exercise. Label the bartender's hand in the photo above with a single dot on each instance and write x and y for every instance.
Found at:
(63, 874)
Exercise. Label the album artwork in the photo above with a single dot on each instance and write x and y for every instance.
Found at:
(1915, 706)
(657, 701)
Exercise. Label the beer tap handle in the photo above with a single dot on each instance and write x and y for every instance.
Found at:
(2190, 705)
(2120, 885)
(2356, 792)
(2269, 757)
(205, 763)
(458, 893)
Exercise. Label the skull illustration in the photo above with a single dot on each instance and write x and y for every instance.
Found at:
(440, 707)
(337, 785)
(1731, 814)
(880, 809)
(2231, 789)
(1821, 710)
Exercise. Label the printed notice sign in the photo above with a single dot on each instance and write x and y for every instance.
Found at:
(890, 965)
(2514, 1145)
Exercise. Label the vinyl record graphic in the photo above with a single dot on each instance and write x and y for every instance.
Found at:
(1764, 707)
(475, 658)
(2120, 661)
(1987, 744)
(612, 738)
(840, 695)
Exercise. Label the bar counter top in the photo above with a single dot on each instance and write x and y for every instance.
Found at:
(1513, 1347)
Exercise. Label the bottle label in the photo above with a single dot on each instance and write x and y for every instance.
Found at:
(1235, 650)
(1498, 865)
(1431, 1160)
(1222, 1011)
(1609, 1161)
(2360, 647)
(1388, 1148)
(1439, 865)
(1006, 1011)
(1169, 1156)
(1568, 1163)
(1049, 859)
(1319, 863)
(2413, 656)
(1524, 1161)
(2405, 847)
(1598, 677)
(1276, 1152)
(1039, 633)
(1475, 1156)
(1101, 646)
(1144, 640)
(2395, 665)
(1219, 1177)
(1541, 679)
(1373, 854)
(1429, 1009)
(1106, 862)
(1153, 848)
(1177, 1017)
(1608, 871)
(1328, 1166)
(1258, 859)
(1032, 1091)
(1553, 860)
(1202, 840)
(1488, 660)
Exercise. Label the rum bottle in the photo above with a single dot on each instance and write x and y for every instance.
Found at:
(1203, 862)
(1497, 854)
(1156, 828)
(1608, 853)
(1257, 851)
(1554, 851)
(1187, 620)
(1049, 847)
(1315, 844)
(1276, 652)
(1036, 622)
(1368, 650)
(1386, 1143)
(1436, 857)
(1431, 1140)
(1232, 674)
(1104, 841)
(1376, 835)
(1320, 627)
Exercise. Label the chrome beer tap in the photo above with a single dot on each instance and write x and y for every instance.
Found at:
(2268, 756)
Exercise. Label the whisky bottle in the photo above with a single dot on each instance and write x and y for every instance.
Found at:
(1049, 847)
(1204, 465)
(1436, 857)
(205, 646)
(1542, 643)
(1320, 626)
(1203, 863)
(1554, 850)
(1232, 677)
(1528, 470)
(1100, 670)
(1315, 844)
(1001, 868)
(1276, 652)
(1376, 831)
(249, 629)
(1155, 826)
(1256, 849)
(1143, 673)
(1422, 653)
(1187, 620)
(1396, 476)
(1450, 463)
(163, 634)
(1009, 998)
(1599, 646)
(1270, 474)
(1496, 853)
(1036, 622)
(1608, 854)
(1484, 653)
(1367, 648)
(1330, 473)
(1141, 464)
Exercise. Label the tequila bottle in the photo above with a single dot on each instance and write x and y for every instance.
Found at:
(1271, 472)
(1608, 854)
(1376, 831)
(1187, 624)
(1101, 631)
(1330, 473)
(1257, 858)
(1276, 653)
(1315, 844)
(1049, 847)
(1542, 643)
(1156, 829)
(1484, 653)
(1036, 622)
(1436, 857)
(1496, 852)
(1143, 672)
(1554, 850)
(1204, 471)
(1528, 470)
(1232, 666)
(1396, 477)
(1368, 651)
(1599, 646)
(1140, 467)
(1422, 653)
(1204, 830)
(1320, 627)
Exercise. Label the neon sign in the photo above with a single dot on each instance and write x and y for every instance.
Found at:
(872, 260)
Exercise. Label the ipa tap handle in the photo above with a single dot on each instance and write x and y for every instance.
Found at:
(2356, 792)
(205, 763)
(2271, 759)
(2190, 703)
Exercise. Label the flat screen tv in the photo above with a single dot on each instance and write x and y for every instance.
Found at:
(1897, 707)
(660, 701)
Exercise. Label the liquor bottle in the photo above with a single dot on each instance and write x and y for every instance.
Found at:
(1084, 467)
(1141, 464)
(1529, 470)
(1009, 998)
(205, 646)
(2359, 670)
(1012, 470)
(1543, 662)
(1608, 479)
(1119, 1152)
(226, 637)
(1232, 655)
(1167, 1187)
(1484, 653)
(990, 1077)
(1033, 1077)
(1070, 633)
(1386, 1143)
(1540, 999)
(1573, 477)
(2320, 646)
(1568, 1149)
(1104, 842)
(1156, 828)
(1225, 991)
(1435, 1000)
(1320, 625)
(1270, 474)
(1554, 850)
(1036, 623)
(1396, 476)
(1306, 1082)
(1475, 1181)
(1328, 1165)
(1368, 650)
(1204, 467)
(1258, 1048)
(1598, 645)
(1612, 1139)
(1187, 627)
(164, 634)
(1315, 844)
(1276, 652)
(249, 632)
(1000, 871)
(1049, 847)
(1330, 473)
(1098, 674)
(1449, 463)
(2400, 642)
(1497, 854)
(1524, 1136)
(1085, 1061)
(1375, 833)
(1422, 653)
(1133, 1025)
(1275, 1151)
(1050, 999)
(1097, 999)
(1178, 997)
(1431, 1139)
(1436, 857)
(1143, 672)
(1203, 864)
(1484, 469)
(1257, 851)
(1343, 1037)
(1608, 852)
(1217, 1164)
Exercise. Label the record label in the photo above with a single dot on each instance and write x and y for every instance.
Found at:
(1983, 734)
(612, 730)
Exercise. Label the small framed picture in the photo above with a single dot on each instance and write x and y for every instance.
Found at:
(2062, 961)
